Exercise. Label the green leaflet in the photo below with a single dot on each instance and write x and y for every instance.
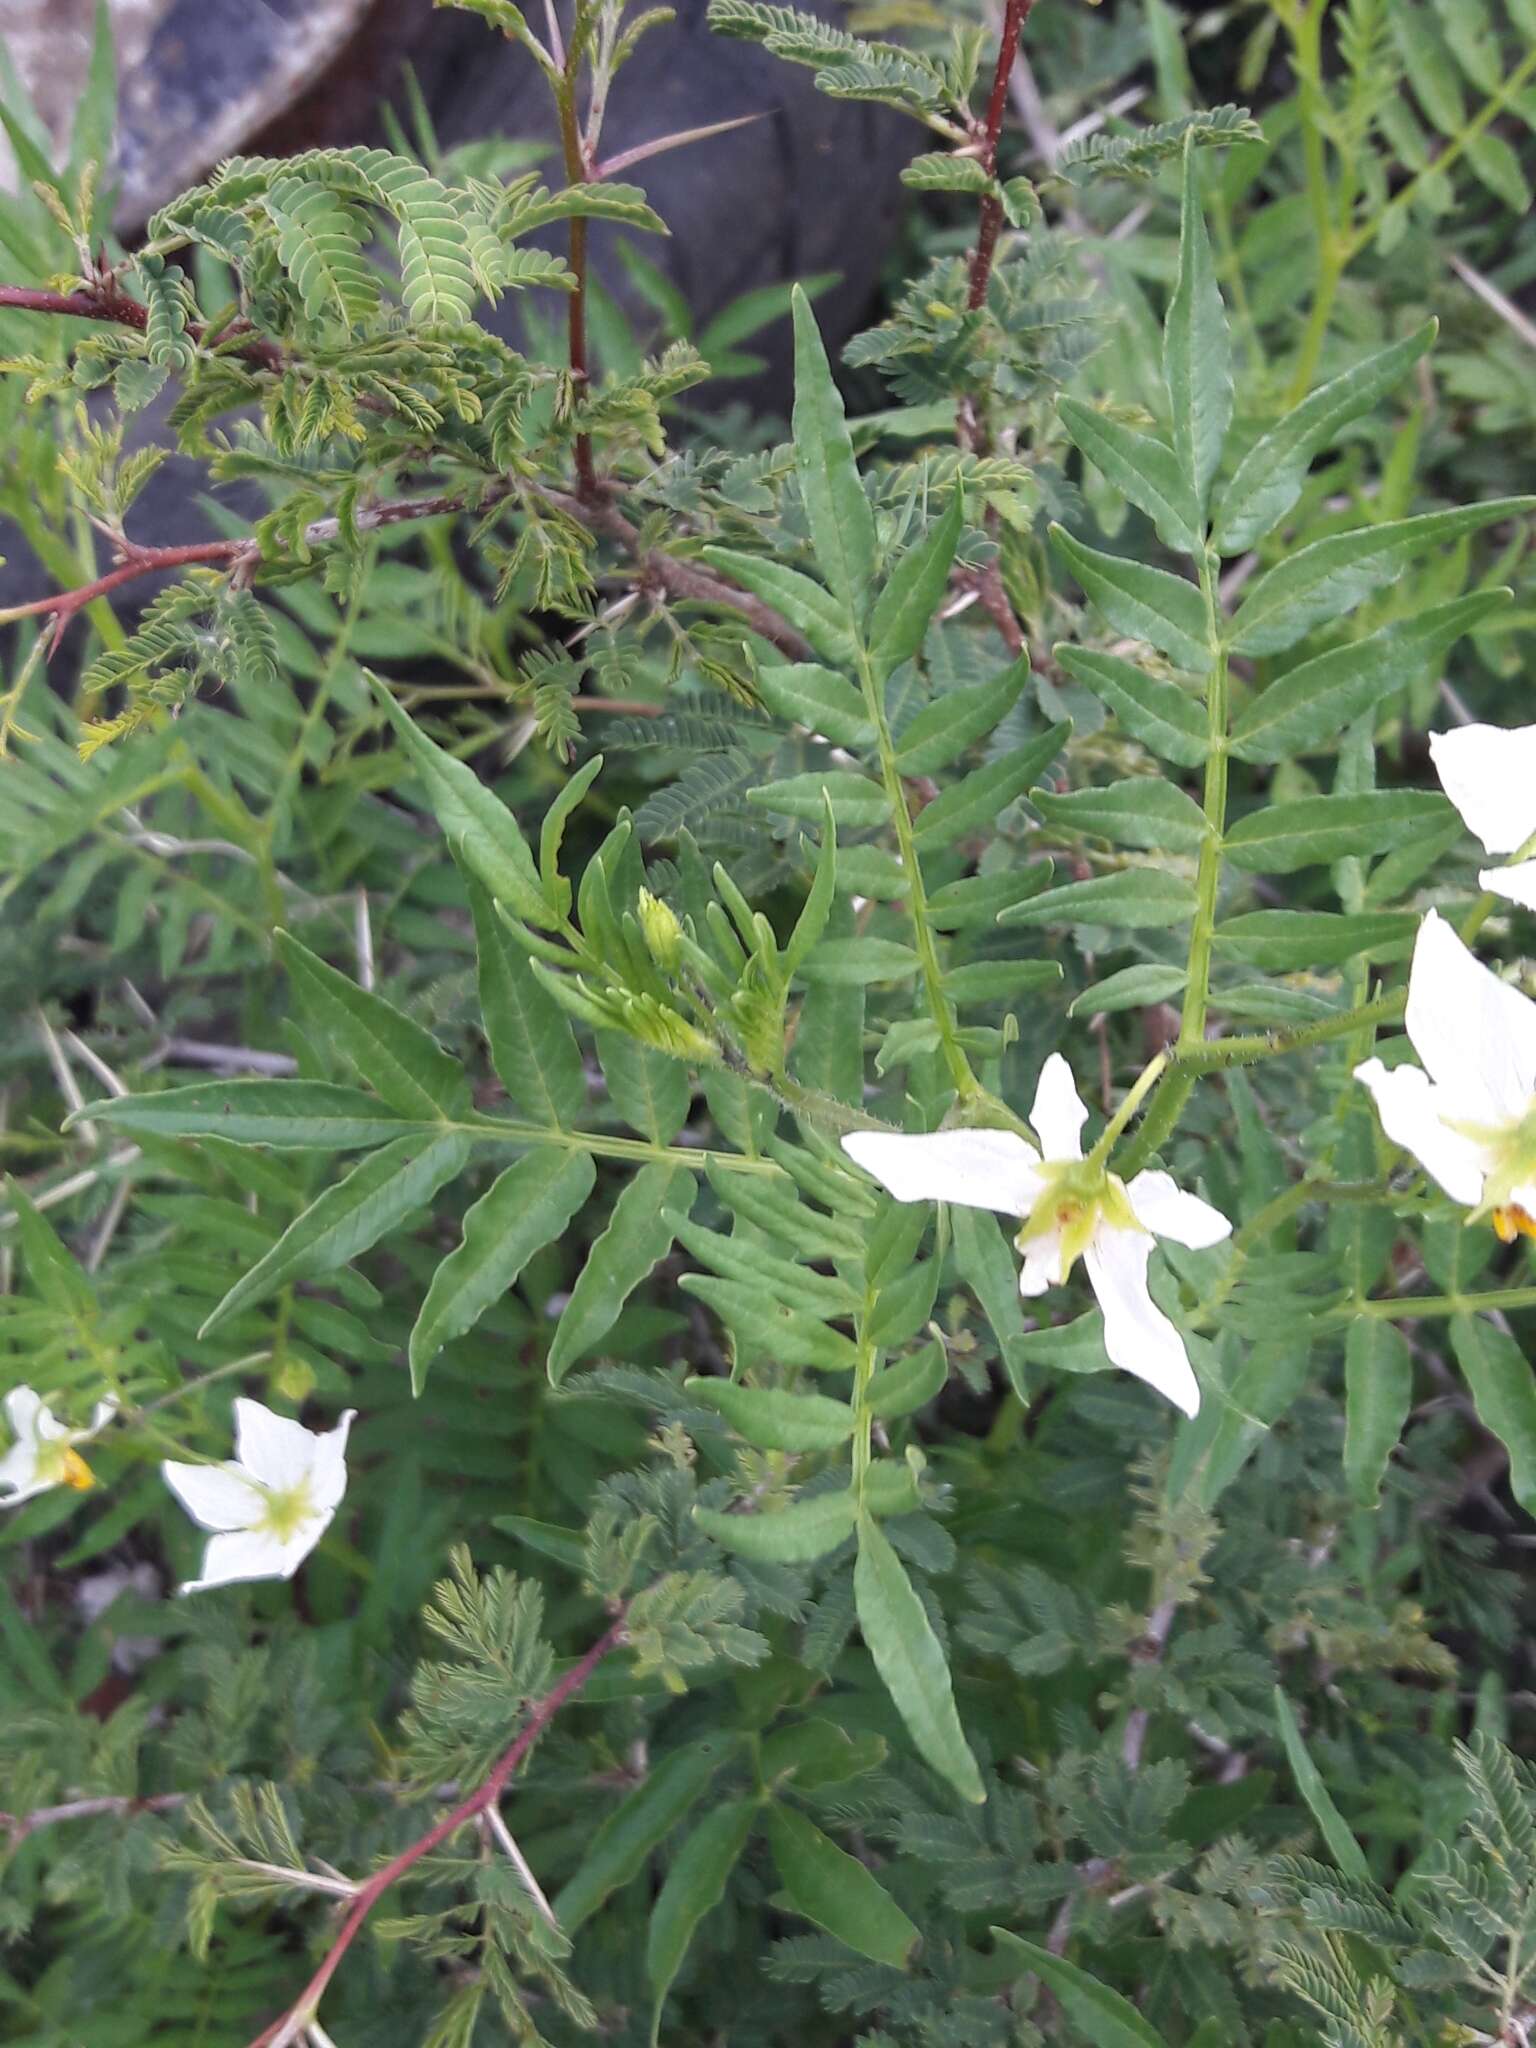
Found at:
(1269, 478)
(532, 1045)
(649, 1089)
(851, 963)
(525, 1208)
(1102, 2015)
(390, 1051)
(639, 1233)
(982, 899)
(667, 1793)
(1285, 941)
(774, 1419)
(911, 1382)
(1280, 838)
(1378, 1390)
(61, 1282)
(817, 698)
(1197, 350)
(1148, 473)
(808, 607)
(1327, 579)
(836, 1891)
(1144, 811)
(805, 1530)
(816, 911)
(957, 719)
(1133, 898)
(695, 1883)
(479, 827)
(377, 1196)
(1132, 988)
(841, 522)
(913, 592)
(1145, 603)
(978, 797)
(910, 1660)
(991, 1270)
(1162, 716)
(288, 1115)
(1504, 1392)
(1311, 705)
(856, 800)
(1342, 1846)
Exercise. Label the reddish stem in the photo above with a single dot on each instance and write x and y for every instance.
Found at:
(122, 311)
(576, 173)
(141, 562)
(990, 223)
(281, 2031)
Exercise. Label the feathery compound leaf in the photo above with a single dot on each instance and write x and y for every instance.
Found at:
(525, 1208)
(911, 1661)
(1197, 349)
(319, 243)
(437, 278)
(1142, 154)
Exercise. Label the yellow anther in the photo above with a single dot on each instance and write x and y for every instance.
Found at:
(1511, 1221)
(75, 1472)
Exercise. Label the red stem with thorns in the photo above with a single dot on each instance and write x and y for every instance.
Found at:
(287, 2029)
(990, 224)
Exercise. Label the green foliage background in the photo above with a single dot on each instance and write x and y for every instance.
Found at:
(441, 955)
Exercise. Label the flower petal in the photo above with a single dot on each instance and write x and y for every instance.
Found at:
(218, 1496)
(18, 1475)
(1041, 1270)
(978, 1169)
(1137, 1335)
(1489, 774)
(279, 1453)
(1059, 1112)
(1163, 1207)
(101, 1415)
(1475, 1034)
(1517, 883)
(23, 1405)
(251, 1554)
(1410, 1108)
(328, 1476)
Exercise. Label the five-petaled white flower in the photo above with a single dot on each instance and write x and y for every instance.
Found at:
(44, 1453)
(1071, 1207)
(1470, 1119)
(271, 1505)
(1489, 774)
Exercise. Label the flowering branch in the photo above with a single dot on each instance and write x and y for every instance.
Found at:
(290, 2027)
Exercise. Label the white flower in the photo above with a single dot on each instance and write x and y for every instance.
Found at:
(272, 1503)
(1470, 1119)
(1489, 774)
(1071, 1207)
(43, 1454)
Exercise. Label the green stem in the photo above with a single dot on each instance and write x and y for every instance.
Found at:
(1246, 1052)
(1306, 34)
(1141, 1087)
(967, 1087)
(1409, 1306)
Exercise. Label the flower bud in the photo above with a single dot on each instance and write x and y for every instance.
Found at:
(662, 933)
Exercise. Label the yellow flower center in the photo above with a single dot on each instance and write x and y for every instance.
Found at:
(1077, 1197)
(1510, 1152)
(62, 1465)
(288, 1508)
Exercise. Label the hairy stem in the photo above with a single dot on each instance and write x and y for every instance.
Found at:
(966, 1084)
(576, 306)
(990, 221)
(283, 2032)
